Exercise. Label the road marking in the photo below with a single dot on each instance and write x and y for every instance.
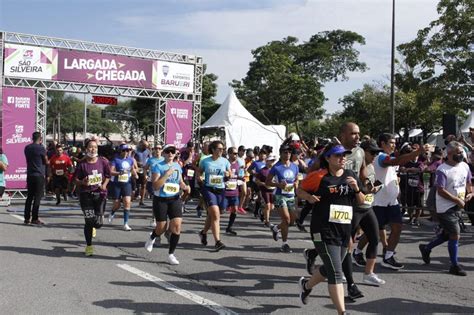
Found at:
(213, 306)
(17, 217)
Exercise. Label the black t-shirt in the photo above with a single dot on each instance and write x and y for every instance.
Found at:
(333, 190)
(35, 160)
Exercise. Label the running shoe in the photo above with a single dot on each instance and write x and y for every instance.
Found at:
(358, 259)
(94, 232)
(425, 253)
(230, 232)
(110, 219)
(372, 279)
(149, 244)
(304, 293)
(37, 222)
(141, 204)
(354, 293)
(285, 248)
(219, 245)
(172, 260)
(300, 227)
(27, 222)
(89, 250)
(203, 237)
(391, 263)
(241, 211)
(310, 256)
(126, 227)
(266, 224)
(274, 229)
(457, 271)
(58, 202)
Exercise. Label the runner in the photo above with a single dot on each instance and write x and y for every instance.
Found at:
(267, 192)
(333, 190)
(454, 189)
(92, 176)
(155, 158)
(167, 179)
(286, 181)
(141, 156)
(254, 169)
(386, 206)
(243, 186)
(231, 190)
(122, 169)
(61, 167)
(215, 168)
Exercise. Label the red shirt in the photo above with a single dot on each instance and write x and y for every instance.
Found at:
(60, 165)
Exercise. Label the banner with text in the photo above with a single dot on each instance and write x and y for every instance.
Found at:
(95, 68)
(179, 123)
(30, 62)
(18, 124)
(173, 76)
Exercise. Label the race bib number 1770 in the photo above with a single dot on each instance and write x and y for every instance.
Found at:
(340, 214)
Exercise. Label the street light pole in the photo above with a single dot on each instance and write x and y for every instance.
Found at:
(392, 74)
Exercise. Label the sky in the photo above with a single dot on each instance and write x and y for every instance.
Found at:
(224, 32)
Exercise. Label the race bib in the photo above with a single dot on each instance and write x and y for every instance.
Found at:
(60, 172)
(300, 176)
(140, 170)
(190, 173)
(216, 180)
(368, 199)
(123, 178)
(413, 182)
(171, 188)
(289, 189)
(231, 185)
(461, 195)
(95, 179)
(340, 214)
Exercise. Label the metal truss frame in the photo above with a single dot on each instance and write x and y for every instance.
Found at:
(161, 96)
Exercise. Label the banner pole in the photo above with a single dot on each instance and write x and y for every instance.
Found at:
(85, 120)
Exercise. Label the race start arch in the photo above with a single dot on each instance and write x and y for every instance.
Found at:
(32, 65)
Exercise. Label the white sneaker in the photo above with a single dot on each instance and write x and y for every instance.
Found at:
(126, 227)
(372, 279)
(172, 259)
(149, 244)
(110, 219)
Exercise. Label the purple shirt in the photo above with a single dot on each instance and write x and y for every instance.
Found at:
(232, 182)
(94, 171)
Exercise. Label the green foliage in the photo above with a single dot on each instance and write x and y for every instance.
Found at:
(284, 81)
(442, 55)
(209, 91)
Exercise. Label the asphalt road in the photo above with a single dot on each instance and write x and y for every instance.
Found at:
(43, 270)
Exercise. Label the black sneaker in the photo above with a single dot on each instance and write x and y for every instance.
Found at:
(358, 259)
(384, 251)
(65, 196)
(58, 202)
(391, 263)
(425, 253)
(285, 248)
(274, 233)
(304, 293)
(310, 256)
(300, 227)
(457, 271)
(203, 238)
(354, 293)
(230, 232)
(219, 245)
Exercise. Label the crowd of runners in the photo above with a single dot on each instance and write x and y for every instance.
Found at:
(354, 189)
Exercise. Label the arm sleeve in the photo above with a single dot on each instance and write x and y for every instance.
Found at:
(106, 169)
(383, 157)
(441, 179)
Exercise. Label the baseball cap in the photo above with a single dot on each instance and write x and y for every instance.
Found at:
(338, 149)
(370, 145)
(169, 146)
(124, 147)
(271, 157)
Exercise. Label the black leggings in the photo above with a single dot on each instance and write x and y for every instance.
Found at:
(35, 185)
(367, 220)
(92, 205)
(332, 257)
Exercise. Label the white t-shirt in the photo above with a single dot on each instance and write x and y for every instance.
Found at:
(453, 179)
(387, 175)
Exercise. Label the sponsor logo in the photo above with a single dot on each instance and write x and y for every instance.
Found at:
(11, 100)
(165, 70)
(28, 54)
(17, 137)
(180, 113)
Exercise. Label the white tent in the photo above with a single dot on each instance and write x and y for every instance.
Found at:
(468, 123)
(242, 128)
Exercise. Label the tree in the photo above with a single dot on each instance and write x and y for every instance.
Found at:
(285, 79)
(209, 91)
(441, 55)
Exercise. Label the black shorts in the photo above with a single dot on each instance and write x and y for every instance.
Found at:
(2, 190)
(164, 208)
(141, 179)
(93, 201)
(267, 196)
(449, 221)
(60, 182)
(411, 197)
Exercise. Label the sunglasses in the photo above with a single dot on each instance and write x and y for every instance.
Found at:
(169, 152)
(158, 148)
(233, 152)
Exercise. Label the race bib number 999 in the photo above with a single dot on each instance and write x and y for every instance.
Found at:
(171, 188)
(340, 214)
